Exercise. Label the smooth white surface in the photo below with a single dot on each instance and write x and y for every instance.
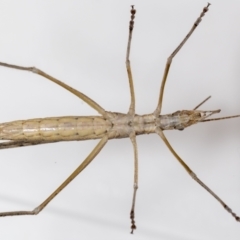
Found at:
(83, 43)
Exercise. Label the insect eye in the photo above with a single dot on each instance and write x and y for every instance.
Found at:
(180, 129)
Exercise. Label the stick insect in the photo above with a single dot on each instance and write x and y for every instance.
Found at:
(108, 126)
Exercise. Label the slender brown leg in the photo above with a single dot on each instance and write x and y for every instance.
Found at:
(131, 114)
(82, 96)
(135, 185)
(131, 110)
(194, 176)
(84, 164)
(169, 60)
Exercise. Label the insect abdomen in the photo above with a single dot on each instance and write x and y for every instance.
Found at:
(62, 128)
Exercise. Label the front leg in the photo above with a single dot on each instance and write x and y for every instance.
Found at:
(170, 58)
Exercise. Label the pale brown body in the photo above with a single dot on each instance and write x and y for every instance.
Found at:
(109, 125)
(77, 128)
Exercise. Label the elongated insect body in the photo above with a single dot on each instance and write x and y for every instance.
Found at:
(108, 126)
(119, 125)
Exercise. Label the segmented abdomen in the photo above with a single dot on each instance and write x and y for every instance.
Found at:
(56, 128)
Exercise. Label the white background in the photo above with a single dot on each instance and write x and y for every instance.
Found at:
(83, 43)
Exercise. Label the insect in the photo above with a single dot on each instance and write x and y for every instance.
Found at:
(109, 125)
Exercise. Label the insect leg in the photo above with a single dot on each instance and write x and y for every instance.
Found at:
(135, 185)
(131, 113)
(84, 164)
(82, 96)
(170, 58)
(131, 110)
(194, 176)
